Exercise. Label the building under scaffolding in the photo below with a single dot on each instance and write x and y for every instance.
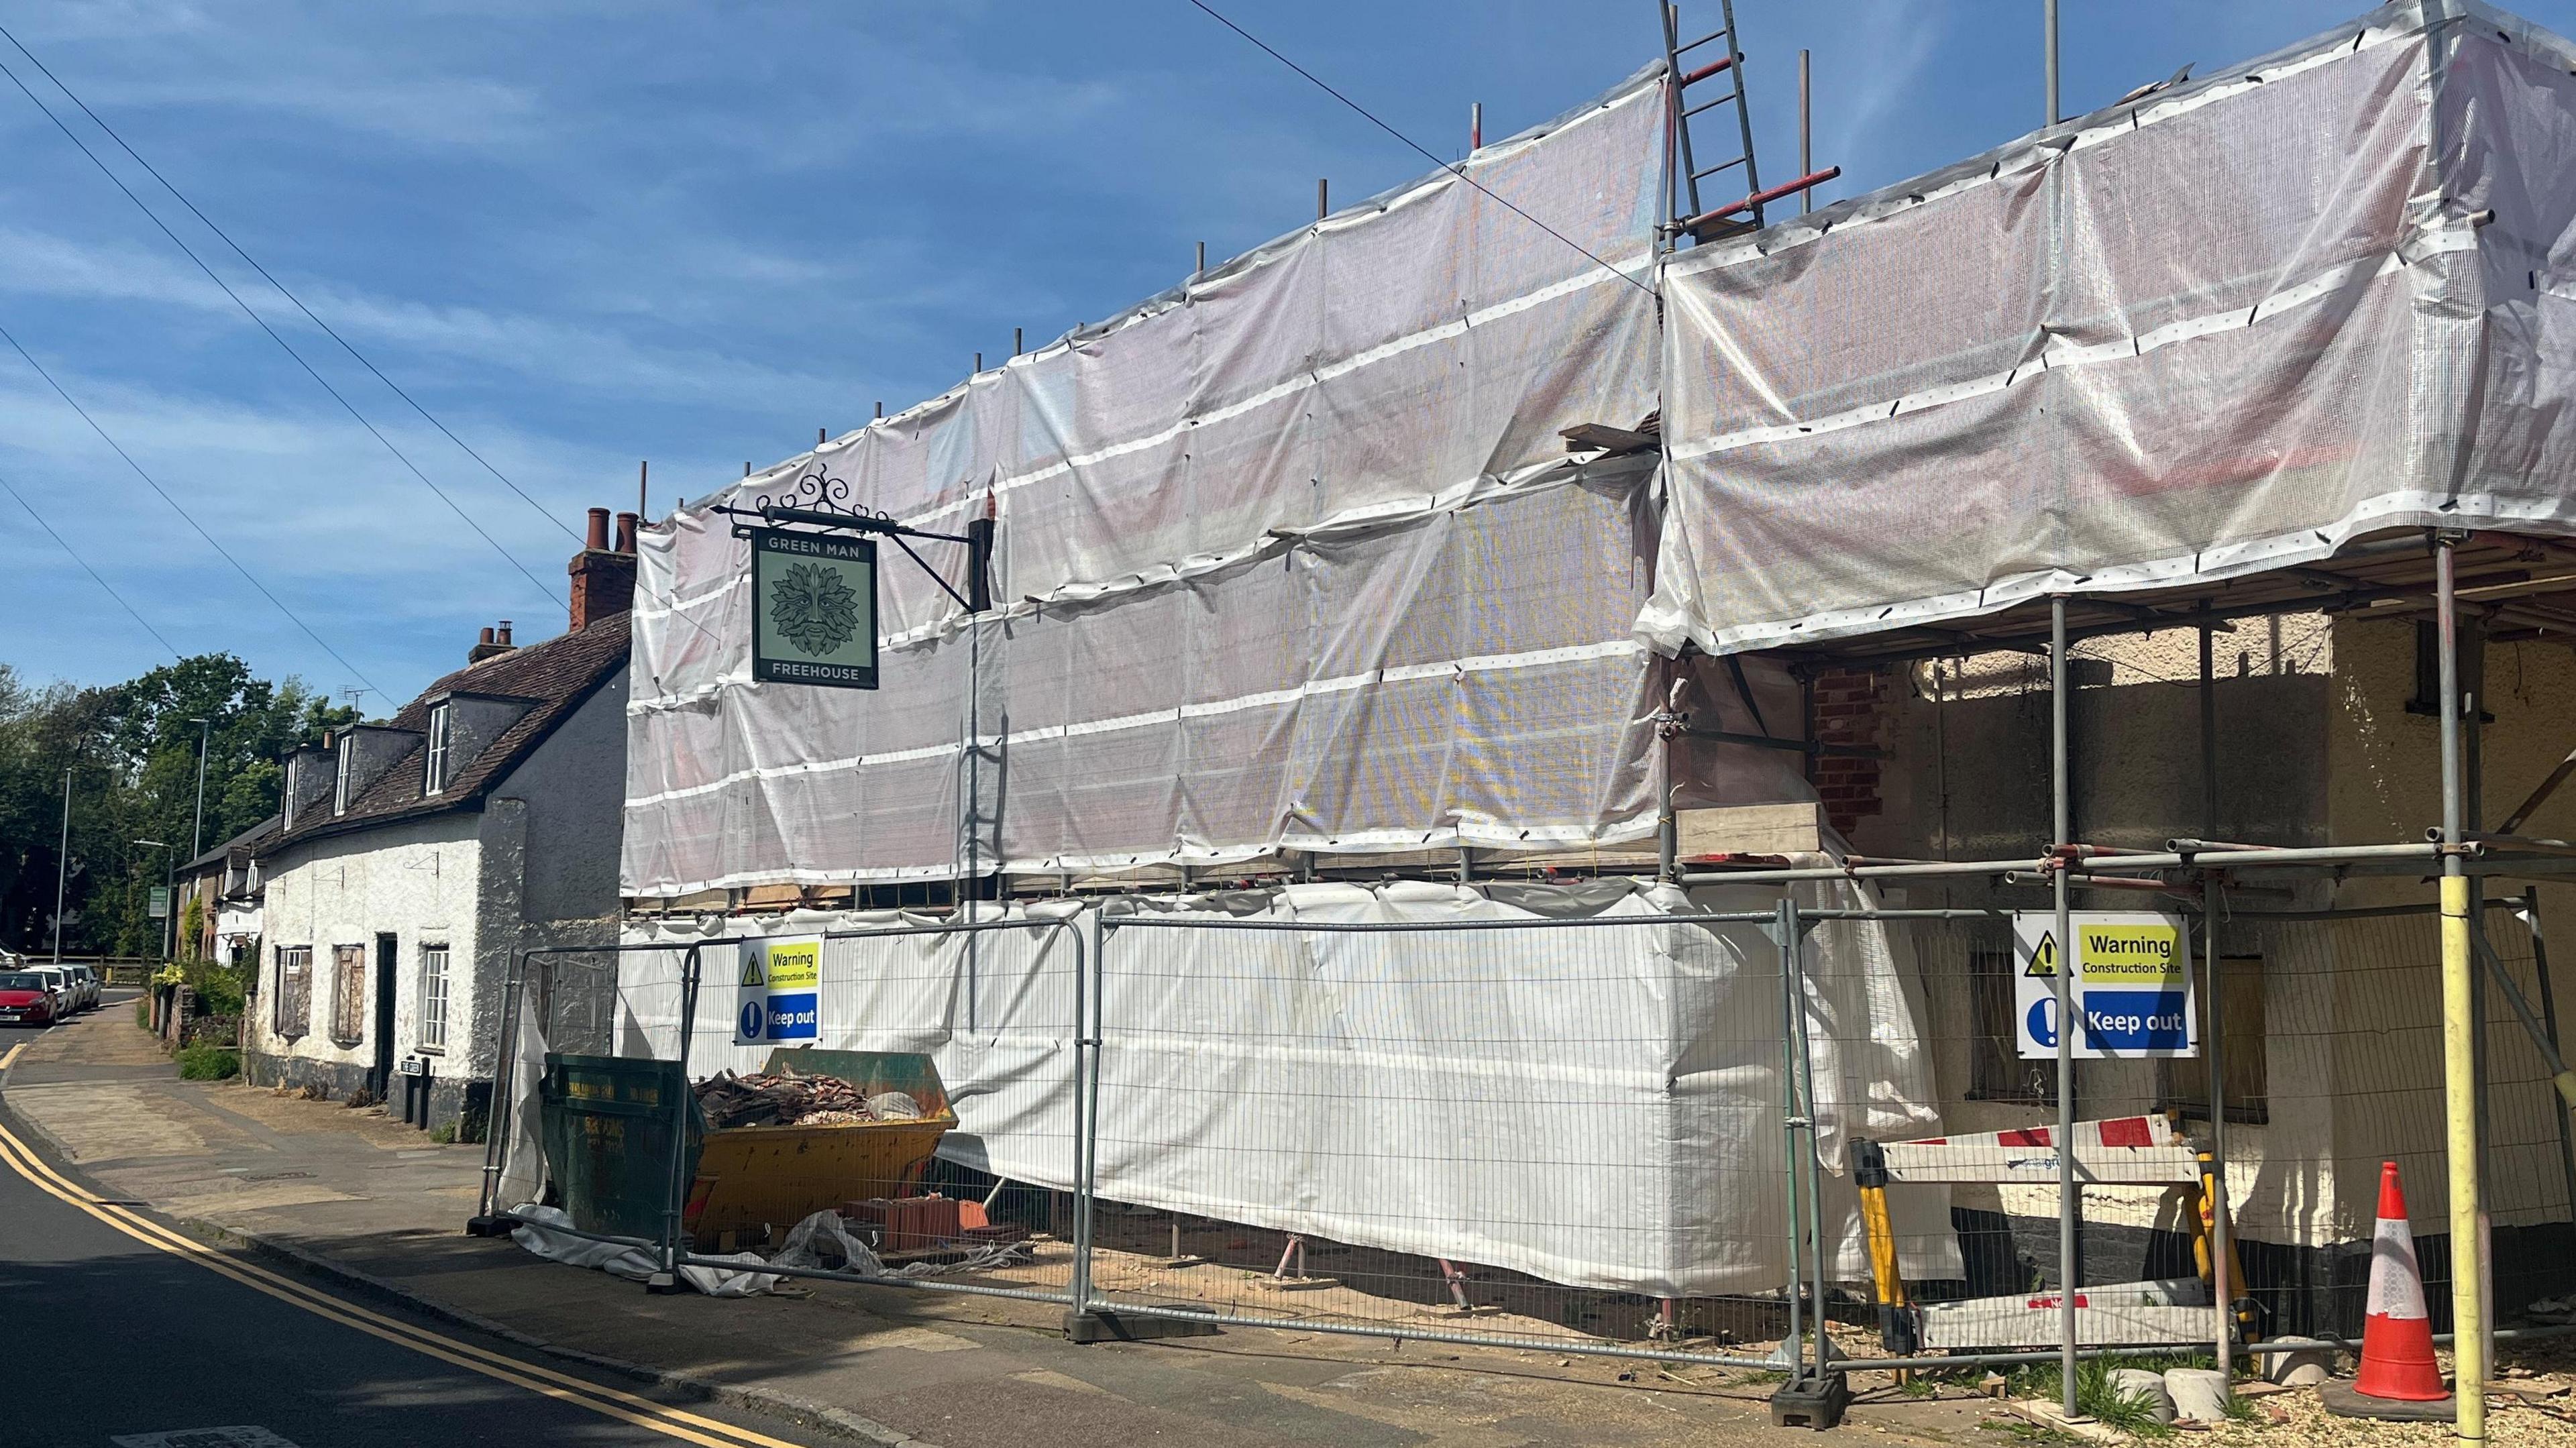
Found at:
(1295, 577)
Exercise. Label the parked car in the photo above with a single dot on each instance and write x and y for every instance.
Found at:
(58, 980)
(86, 977)
(26, 999)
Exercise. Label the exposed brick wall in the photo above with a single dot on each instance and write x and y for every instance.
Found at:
(1847, 712)
(603, 583)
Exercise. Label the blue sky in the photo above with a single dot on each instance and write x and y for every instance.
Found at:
(588, 234)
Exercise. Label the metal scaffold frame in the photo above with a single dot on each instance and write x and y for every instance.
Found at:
(2457, 854)
(2490, 583)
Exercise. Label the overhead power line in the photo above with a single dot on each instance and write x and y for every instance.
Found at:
(93, 573)
(345, 346)
(283, 290)
(155, 486)
(262, 323)
(1455, 168)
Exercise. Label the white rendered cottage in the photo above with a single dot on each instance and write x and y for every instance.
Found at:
(418, 855)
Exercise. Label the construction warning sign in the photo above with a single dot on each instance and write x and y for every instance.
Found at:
(779, 996)
(2132, 984)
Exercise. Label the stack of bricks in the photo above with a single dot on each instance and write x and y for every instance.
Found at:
(1847, 713)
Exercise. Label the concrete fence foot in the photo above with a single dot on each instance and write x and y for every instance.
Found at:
(1107, 1326)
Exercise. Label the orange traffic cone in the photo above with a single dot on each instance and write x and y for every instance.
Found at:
(2396, 1335)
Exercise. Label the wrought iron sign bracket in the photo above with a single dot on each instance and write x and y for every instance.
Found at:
(817, 500)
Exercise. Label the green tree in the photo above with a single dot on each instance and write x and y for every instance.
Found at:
(132, 752)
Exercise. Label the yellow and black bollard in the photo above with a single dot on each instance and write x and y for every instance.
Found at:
(1895, 1322)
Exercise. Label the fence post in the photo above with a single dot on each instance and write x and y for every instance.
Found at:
(1783, 930)
(2222, 1249)
(1815, 1396)
(499, 1118)
(675, 1200)
(2549, 1019)
(1813, 1162)
(1086, 1085)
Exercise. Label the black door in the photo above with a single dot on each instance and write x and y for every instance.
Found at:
(380, 1079)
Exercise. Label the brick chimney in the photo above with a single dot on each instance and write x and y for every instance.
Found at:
(603, 578)
(490, 646)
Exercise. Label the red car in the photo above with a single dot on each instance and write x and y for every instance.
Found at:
(24, 1000)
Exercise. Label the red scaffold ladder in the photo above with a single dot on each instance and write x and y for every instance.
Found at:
(1715, 58)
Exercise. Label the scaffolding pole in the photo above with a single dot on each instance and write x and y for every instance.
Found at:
(2459, 1044)
(2108, 864)
(2221, 1248)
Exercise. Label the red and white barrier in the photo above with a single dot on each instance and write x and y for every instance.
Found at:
(2126, 1314)
(2120, 1151)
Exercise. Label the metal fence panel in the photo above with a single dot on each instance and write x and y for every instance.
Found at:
(581, 1001)
(997, 1005)
(1518, 1129)
(1628, 1133)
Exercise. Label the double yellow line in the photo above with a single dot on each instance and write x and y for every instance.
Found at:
(642, 1412)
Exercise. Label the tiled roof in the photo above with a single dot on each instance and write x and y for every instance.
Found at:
(248, 841)
(559, 674)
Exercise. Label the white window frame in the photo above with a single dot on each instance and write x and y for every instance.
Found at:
(340, 780)
(434, 778)
(433, 998)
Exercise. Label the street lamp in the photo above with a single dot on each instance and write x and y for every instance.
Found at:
(197, 841)
(169, 902)
(63, 861)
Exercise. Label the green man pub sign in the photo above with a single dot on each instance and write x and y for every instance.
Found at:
(814, 609)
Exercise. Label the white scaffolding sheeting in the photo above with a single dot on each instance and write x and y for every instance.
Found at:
(2222, 329)
(1291, 557)
(1623, 1133)
(1419, 343)
(1467, 678)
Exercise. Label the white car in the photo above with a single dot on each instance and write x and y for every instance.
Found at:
(59, 983)
(86, 977)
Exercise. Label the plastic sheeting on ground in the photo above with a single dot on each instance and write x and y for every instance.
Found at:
(1595, 1105)
(822, 1242)
(741, 1279)
(2222, 329)
(1290, 557)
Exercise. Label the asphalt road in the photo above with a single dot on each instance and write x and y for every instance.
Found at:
(110, 1340)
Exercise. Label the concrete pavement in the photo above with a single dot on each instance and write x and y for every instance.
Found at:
(371, 1198)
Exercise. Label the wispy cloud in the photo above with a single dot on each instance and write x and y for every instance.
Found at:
(592, 357)
(586, 233)
(1878, 70)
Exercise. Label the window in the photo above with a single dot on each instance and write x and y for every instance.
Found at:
(2183, 1085)
(2428, 675)
(1998, 1072)
(348, 994)
(433, 997)
(294, 991)
(436, 779)
(340, 784)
